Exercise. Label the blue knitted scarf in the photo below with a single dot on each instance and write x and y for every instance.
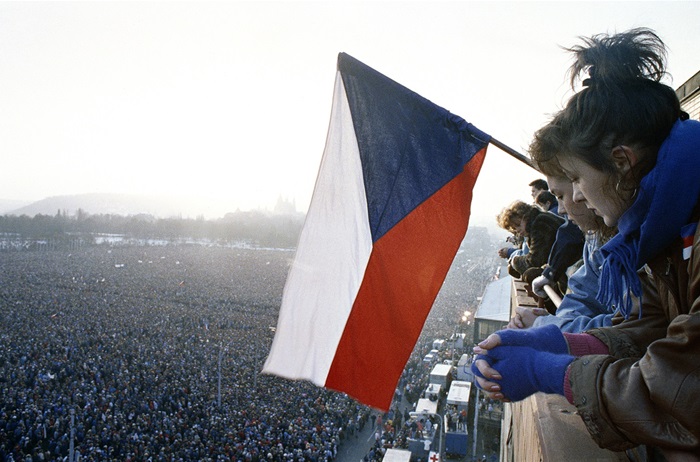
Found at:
(665, 202)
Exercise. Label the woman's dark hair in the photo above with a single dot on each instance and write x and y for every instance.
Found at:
(539, 184)
(544, 197)
(623, 102)
(546, 144)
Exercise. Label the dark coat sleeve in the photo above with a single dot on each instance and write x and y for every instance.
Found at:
(567, 250)
(542, 234)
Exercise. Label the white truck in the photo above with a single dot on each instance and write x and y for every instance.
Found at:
(464, 371)
(423, 426)
(433, 392)
(442, 375)
(426, 406)
(397, 455)
(455, 419)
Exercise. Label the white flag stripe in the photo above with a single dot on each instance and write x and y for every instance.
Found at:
(330, 261)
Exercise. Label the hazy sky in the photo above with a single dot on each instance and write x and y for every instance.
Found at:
(230, 100)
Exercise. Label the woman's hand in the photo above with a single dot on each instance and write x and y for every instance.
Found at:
(525, 317)
(516, 372)
(485, 377)
(546, 338)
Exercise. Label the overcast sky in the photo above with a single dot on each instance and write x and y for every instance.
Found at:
(229, 101)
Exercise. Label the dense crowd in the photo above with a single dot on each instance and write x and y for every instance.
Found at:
(130, 339)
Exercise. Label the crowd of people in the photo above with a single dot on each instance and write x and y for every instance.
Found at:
(129, 342)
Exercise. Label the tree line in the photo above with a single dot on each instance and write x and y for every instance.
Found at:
(254, 227)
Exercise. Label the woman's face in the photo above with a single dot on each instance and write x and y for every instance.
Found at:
(577, 212)
(521, 228)
(593, 188)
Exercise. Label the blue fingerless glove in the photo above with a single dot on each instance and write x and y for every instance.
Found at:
(546, 338)
(525, 371)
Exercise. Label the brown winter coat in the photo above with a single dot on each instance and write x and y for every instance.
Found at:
(541, 233)
(647, 391)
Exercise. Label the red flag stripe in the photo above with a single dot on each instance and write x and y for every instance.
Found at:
(405, 272)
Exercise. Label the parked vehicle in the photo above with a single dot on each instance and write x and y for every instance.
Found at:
(424, 435)
(463, 370)
(397, 455)
(433, 392)
(455, 419)
(441, 375)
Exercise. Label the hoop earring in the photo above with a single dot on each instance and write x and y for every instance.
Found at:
(617, 190)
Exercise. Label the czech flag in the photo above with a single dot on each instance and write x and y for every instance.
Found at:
(389, 211)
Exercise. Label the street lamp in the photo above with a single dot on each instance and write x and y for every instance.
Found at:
(466, 316)
(441, 429)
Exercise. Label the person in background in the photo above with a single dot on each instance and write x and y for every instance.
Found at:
(537, 186)
(519, 242)
(635, 161)
(540, 229)
(554, 244)
(579, 309)
(518, 246)
(547, 202)
(565, 255)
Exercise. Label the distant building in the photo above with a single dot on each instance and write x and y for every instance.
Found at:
(493, 312)
(285, 206)
(689, 95)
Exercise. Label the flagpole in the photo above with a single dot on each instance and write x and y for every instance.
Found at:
(525, 160)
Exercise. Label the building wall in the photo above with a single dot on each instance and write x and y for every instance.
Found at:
(689, 96)
(486, 327)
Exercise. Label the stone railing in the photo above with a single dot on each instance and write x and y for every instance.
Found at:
(546, 427)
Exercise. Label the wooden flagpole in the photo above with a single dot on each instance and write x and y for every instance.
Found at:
(525, 160)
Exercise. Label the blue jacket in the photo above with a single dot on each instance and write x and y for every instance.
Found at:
(579, 309)
(565, 252)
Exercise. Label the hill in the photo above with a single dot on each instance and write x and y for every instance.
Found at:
(124, 205)
(7, 206)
